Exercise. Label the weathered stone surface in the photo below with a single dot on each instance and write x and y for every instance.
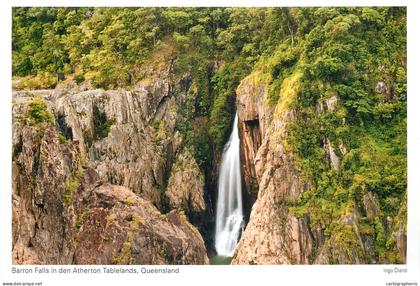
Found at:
(273, 235)
(381, 87)
(41, 168)
(119, 227)
(128, 137)
(186, 185)
(328, 104)
(128, 155)
(370, 205)
(252, 126)
(402, 241)
(339, 255)
(251, 103)
(399, 232)
(331, 156)
(96, 197)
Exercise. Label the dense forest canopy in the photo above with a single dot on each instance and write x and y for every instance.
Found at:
(357, 54)
(98, 42)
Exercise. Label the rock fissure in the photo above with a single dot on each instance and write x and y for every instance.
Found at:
(73, 213)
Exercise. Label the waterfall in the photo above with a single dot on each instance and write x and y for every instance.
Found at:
(229, 215)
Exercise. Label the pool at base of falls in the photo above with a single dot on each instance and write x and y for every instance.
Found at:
(220, 260)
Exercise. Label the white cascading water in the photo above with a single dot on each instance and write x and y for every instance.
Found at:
(229, 215)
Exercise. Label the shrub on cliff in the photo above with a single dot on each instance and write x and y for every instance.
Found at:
(38, 112)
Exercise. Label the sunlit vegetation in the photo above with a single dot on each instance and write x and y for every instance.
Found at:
(305, 56)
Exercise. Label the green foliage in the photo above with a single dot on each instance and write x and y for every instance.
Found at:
(61, 138)
(222, 109)
(111, 47)
(221, 116)
(111, 217)
(156, 124)
(200, 139)
(37, 38)
(38, 112)
(42, 80)
(128, 201)
(105, 128)
(71, 185)
(101, 124)
(79, 78)
(81, 219)
(339, 60)
(305, 56)
(282, 67)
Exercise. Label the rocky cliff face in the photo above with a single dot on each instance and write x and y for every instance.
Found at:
(186, 185)
(41, 168)
(99, 185)
(274, 235)
(118, 227)
(128, 154)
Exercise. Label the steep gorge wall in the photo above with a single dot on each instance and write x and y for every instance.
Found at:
(274, 234)
(101, 184)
